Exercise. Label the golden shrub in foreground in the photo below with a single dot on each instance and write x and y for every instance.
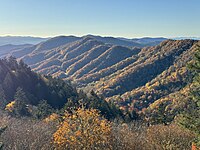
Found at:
(83, 129)
(10, 106)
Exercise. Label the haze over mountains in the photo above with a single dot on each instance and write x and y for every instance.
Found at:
(133, 73)
(5, 49)
(20, 40)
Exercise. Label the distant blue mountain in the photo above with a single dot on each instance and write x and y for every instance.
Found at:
(146, 41)
(6, 49)
(139, 42)
(20, 40)
(116, 41)
(183, 38)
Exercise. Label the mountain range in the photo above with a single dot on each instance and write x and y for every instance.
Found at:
(132, 73)
(64, 55)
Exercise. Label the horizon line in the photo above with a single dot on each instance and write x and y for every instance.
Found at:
(38, 36)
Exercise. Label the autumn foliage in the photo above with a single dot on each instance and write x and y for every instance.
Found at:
(10, 106)
(83, 129)
(52, 118)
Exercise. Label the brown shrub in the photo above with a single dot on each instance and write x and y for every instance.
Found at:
(129, 136)
(26, 134)
(170, 137)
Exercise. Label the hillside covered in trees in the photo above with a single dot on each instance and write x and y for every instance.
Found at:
(97, 88)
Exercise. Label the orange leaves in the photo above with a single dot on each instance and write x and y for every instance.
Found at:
(82, 129)
(10, 106)
(52, 117)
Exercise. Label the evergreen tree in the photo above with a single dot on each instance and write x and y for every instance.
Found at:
(21, 102)
(12, 62)
(99, 103)
(3, 100)
(108, 111)
(43, 110)
(8, 85)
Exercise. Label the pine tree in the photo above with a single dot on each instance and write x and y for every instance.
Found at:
(21, 102)
(3, 100)
(43, 110)
(12, 62)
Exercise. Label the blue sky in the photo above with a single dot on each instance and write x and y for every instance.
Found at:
(120, 18)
